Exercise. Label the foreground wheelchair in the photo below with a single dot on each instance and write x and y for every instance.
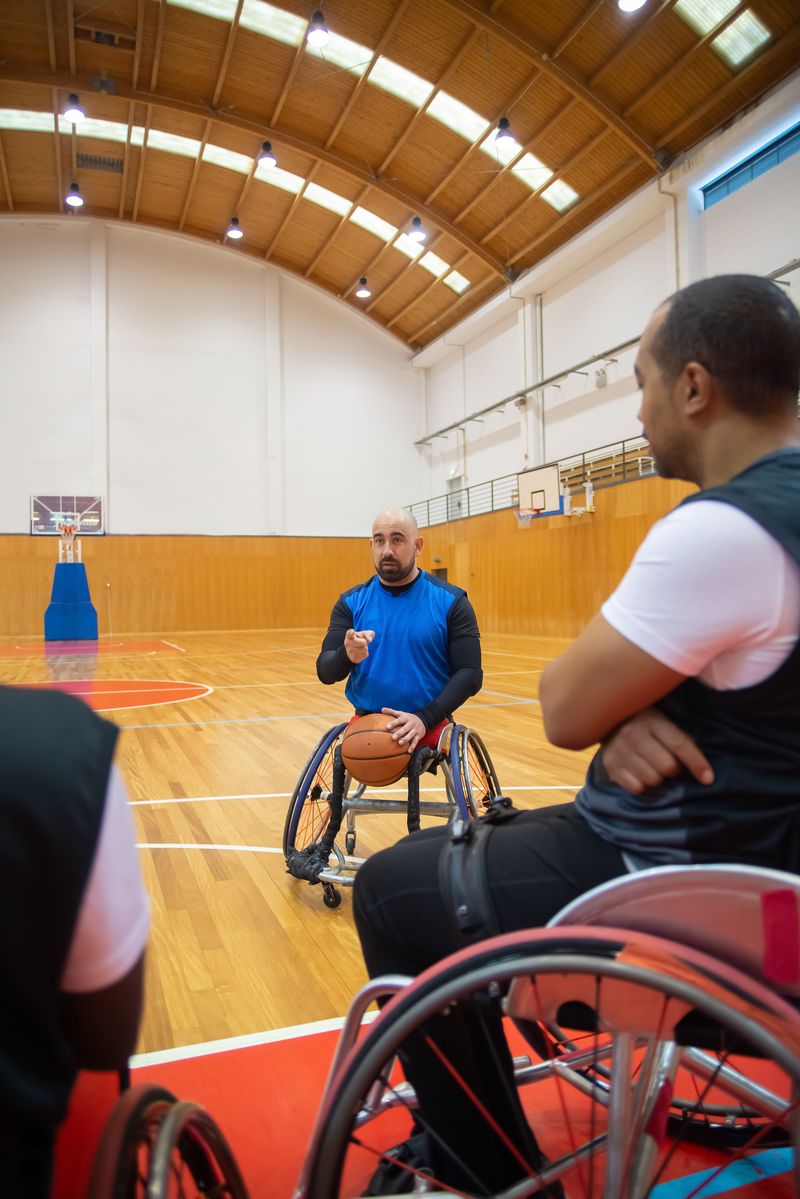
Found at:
(326, 796)
(155, 1147)
(656, 1010)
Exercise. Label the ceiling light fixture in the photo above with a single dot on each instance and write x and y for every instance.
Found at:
(362, 291)
(417, 232)
(74, 197)
(318, 32)
(266, 156)
(73, 112)
(631, 5)
(234, 231)
(504, 133)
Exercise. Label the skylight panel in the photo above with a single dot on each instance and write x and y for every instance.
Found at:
(504, 150)
(372, 223)
(407, 245)
(110, 131)
(277, 177)
(400, 82)
(560, 195)
(457, 116)
(343, 53)
(531, 171)
(273, 22)
(433, 263)
(327, 199)
(220, 10)
(456, 281)
(30, 122)
(172, 143)
(741, 39)
(704, 15)
(228, 159)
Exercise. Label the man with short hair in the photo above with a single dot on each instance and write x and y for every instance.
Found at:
(407, 643)
(75, 921)
(689, 677)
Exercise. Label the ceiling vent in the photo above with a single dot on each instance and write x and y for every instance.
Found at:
(97, 162)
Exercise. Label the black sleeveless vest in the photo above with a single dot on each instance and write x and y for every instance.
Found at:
(55, 757)
(751, 736)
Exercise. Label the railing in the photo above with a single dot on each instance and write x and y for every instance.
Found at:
(605, 466)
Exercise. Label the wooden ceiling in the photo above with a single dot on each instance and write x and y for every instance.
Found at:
(603, 100)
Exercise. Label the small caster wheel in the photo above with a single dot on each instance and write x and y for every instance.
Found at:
(330, 896)
(350, 842)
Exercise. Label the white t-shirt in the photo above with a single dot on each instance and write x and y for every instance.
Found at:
(114, 918)
(712, 595)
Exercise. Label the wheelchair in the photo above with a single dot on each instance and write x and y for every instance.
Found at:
(326, 796)
(155, 1147)
(656, 1011)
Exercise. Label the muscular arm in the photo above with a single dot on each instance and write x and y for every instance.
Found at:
(601, 680)
(464, 656)
(333, 664)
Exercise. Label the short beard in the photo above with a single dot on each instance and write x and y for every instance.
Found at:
(399, 577)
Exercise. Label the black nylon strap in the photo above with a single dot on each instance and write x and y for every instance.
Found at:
(462, 873)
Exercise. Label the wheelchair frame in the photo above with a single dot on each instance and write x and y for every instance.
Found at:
(631, 1066)
(313, 822)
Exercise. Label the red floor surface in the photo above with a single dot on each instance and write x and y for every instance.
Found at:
(108, 695)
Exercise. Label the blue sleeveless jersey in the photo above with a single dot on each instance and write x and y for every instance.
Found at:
(407, 664)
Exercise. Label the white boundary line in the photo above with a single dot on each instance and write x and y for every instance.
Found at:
(245, 1041)
(195, 845)
(141, 803)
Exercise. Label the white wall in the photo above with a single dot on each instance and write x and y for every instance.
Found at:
(196, 389)
(597, 293)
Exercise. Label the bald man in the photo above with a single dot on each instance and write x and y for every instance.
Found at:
(407, 643)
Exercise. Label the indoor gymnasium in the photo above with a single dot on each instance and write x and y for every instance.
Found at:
(306, 312)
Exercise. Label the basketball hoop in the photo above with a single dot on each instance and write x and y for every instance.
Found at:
(526, 515)
(67, 532)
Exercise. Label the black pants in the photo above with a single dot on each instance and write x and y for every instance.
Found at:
(535, 864)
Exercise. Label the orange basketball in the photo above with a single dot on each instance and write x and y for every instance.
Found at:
(369, 752)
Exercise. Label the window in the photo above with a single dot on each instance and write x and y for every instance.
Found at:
(769, 156)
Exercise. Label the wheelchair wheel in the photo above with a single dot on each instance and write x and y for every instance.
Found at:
(309, 811)
(628, 1001)
(474, 776)
(122, 1163)
(192, 1158)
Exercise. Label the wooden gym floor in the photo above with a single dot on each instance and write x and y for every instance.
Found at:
(238, 946)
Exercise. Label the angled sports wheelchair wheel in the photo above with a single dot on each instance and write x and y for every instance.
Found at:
(192, 1158)
(630, 1004)
(474, 776)
(122, 1162)
(309, 810)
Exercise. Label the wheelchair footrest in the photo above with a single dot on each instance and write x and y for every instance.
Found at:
(306, 863)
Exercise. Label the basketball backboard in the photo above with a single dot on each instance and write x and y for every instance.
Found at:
(49, 512)
(539, 491)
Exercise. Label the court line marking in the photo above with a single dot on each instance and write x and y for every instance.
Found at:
(179, 648)
(737, 1174)
(158, 1057)
(96, 689)
(187, 724)
(138, 803)
(198, 845)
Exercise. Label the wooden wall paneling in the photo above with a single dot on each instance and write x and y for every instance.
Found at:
(548, 579)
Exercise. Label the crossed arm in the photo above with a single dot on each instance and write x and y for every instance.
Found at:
(601, 690)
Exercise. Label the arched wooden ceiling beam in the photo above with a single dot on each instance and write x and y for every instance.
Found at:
(362, 80)
(6, 180)
(577, 87)
(314, 150)
(681, 63)
(790, 39)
